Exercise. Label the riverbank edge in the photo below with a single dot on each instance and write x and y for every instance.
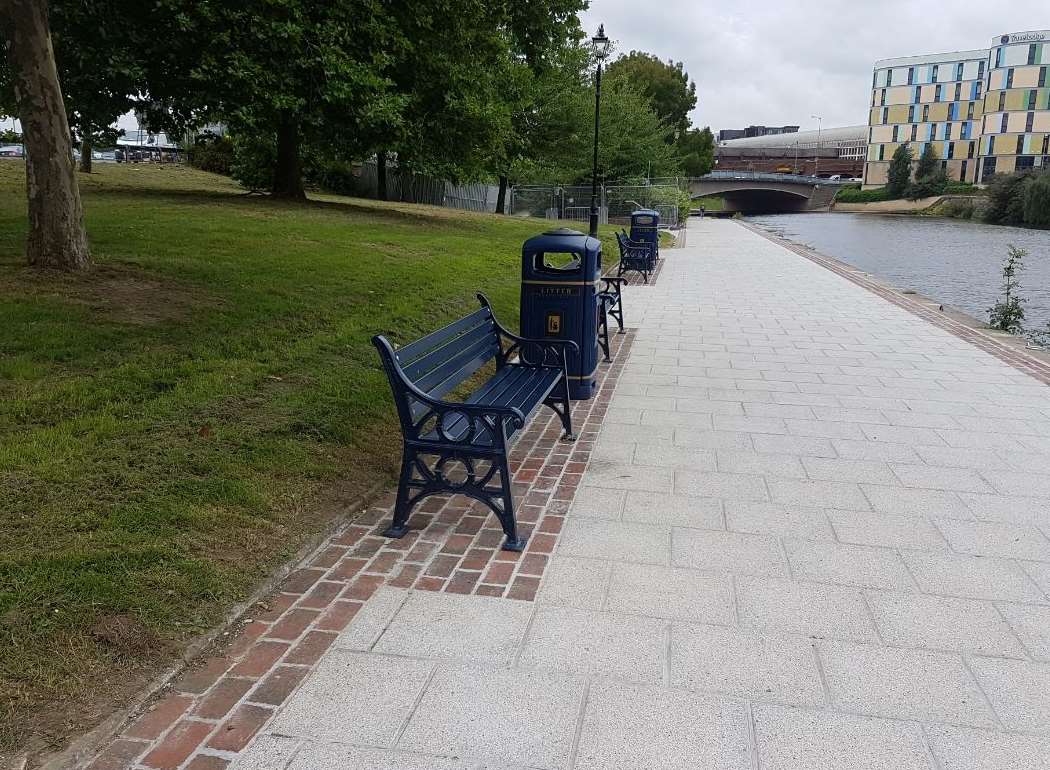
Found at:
(1006, 347)
(920, 206)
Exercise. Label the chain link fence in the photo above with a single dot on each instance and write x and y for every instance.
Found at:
(615, 202)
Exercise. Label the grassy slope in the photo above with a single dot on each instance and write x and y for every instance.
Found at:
(181, 421)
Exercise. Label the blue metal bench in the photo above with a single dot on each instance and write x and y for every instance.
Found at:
(635, 257)
(461, 447)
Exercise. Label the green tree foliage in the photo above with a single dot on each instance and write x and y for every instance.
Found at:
(899, 174)
(930, 178)
(928, 162)
(666, 84)
(1037, 202)
(1006, 199)
(1008, 314)
(633, 141)
(698, 151)
(295, 72)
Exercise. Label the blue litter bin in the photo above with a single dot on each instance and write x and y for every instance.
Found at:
(559, 298)
(645, 224)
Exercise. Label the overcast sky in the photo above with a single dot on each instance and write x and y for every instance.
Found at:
(777, 62)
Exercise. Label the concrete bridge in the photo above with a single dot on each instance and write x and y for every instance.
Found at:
(756, 193)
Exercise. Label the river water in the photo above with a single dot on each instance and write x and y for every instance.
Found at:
(953, 261)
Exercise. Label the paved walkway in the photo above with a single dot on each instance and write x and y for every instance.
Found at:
(813, 533)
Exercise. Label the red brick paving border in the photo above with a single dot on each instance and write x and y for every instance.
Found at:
(212, 711)
(1030, 365)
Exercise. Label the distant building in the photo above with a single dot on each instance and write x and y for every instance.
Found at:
(830, 152)
(983, 112)
(727, 134)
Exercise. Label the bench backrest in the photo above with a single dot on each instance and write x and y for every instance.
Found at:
(442, 360)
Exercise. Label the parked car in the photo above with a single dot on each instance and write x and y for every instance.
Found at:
(11, 151)
(835, 178)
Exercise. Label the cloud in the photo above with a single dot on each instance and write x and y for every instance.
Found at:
(777, 62)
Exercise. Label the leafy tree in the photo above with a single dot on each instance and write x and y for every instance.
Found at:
(1006, 198)
(929, 185)
(666, 84)
(1037, 202)
(928, 162)
(29, 84)
(698, 151)
(1008, 314)
(899, 174)
(295, 72)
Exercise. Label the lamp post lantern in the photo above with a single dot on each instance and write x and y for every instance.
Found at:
(600, 47)
(816, 160)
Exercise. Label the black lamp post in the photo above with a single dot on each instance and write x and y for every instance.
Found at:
(600, 46)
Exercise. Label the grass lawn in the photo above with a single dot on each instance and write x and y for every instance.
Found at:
(179, 422)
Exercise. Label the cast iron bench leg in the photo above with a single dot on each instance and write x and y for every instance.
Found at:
(403, 506)
(506, 516)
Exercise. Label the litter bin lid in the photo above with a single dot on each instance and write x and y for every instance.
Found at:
(562, 239)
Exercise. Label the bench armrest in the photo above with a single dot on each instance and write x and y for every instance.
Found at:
(541, 342)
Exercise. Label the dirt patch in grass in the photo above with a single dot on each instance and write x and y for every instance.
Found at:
(118, 293)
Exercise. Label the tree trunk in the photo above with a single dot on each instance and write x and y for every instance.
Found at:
(381, 175)
(501, 199)
(288, 173)
(56, 215)
(85, 153)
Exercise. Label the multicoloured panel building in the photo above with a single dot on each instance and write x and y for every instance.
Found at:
(984, 111)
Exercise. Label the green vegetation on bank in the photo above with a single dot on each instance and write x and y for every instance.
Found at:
(181, 420)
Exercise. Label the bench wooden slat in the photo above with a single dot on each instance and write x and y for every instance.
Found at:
(439, 381)
(423, 345)
(416, 370)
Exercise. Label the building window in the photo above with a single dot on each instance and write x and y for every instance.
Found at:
(1029, 123)
(1020, 144)
(988, 170)
(895, 133)
(1025, 162)
(911, 113)
(937, 94)
(889, 76)
(933, 131)
(925, 112)
(882, 152)
(959, 71)
(911, 75)
(980, 70)
(947, 130)
(969, 111)
(998, 58)
(873, 98)
(1010, 78)
(885, 115)
(1032, 49)
(1004, 123)
(969, 150)
(1046, 145)
(933, 75)
(951, 149)
(958, 91)
(962, 171)
(882, 97)
(980, 87)
(1002, 101)
(1031, 99)
(1042, 77)
(914, 131)
(916, 95)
